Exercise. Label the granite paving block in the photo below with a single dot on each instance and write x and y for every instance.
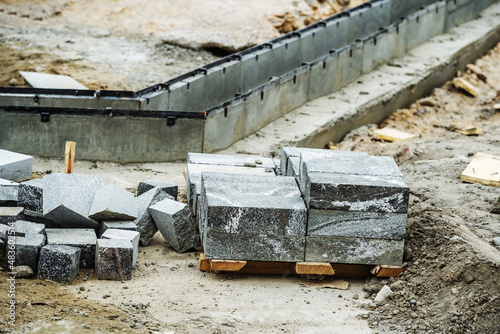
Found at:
(27, 249)
(112, 202)
(253, 247)
(132, 236)
(145, 223)
(356, 224)
(10, 214)
(114, 259)
(277, 166)
(31, 195)
(117, 225)
(176, 224)
(354, 250)
(15, 166)
(356, 193)
(231, 160)
(28, 228)
(293, 167)
(59, 263)
(286, 153)
(266, 215)
(168, 187)
(67, 199)
(9, 191)
(38, 217)
(85, 239)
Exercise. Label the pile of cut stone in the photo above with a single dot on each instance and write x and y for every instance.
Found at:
(52, 225)
(328, 206)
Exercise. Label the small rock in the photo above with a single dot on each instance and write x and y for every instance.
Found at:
(454, 291)
(250, 164)
(13, 82)
(383, 294)
(356, 296)
(496, 241)
(82, 288)
(23, 271)
(147, 264)
(455, 238)
(363, 93)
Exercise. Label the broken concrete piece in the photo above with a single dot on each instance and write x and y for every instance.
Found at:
(393, 135)
(168, 187)
(114, 259)
(27, 249)
(10, 214)
(354, 250)
(85, 239)
(176, 224)
(254, 247)
(23, 271)
(67, 199)
(59, 263)
(15, 166)
(484, 169)
(51, 81)
(117, 225)
(356, 224)
(251, 161)
(145, 223)
(383, 295)
(31, 195)
(132, 236)
(112, 202)
(8, 193)
(356, 193)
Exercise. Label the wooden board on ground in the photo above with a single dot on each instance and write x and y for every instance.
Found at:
(327, 283)
(51, 81)
(466, 86)
(484, 169)
(314, 268)
(393, 135)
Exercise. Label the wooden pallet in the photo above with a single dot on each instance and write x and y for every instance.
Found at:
(297, 268)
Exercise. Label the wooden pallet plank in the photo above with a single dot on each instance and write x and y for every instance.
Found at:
(387, 271)
(204, 263)
(314, 268)
(227, 265)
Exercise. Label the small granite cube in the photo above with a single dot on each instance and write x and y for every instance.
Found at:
(176, 224)
(168, 187)
(9, 191)
(15, 166)
(145, 224)
(112, 202)
(117, 225)
(59, 263)
(85, 239)
(27, 249)
(10, 214)
(67, 199)
(31, 195)
(131, 236)
(113, 259)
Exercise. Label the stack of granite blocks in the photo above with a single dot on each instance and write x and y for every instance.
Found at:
(357, 208)
(252, 217)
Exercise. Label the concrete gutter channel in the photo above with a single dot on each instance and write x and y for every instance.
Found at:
(277, 78)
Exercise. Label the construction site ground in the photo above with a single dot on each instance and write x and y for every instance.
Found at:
(451, 284)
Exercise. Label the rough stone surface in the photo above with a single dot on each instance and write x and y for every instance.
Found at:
(15, 166)
(23, 271)
(176, 224)
(27, 249)
(253, 247)
(9, 191)
(293, 167)
(85, 239)
(145, 223)
(117, 225)
(354, 250)
(356, 193)
(383, 294)
(10, 214)
(496, 207)
(231, 160)
(28, 228)
(38, 217)
(168, 187)
(59, 263)
(114, 259)
(132, 236)
(31, 195)
(356, 224)
(67, 199)
(112, 202)
(496, 241)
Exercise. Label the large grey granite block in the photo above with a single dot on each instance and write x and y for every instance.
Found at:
(9, 191)
(168, 187)
(15, 166)
(39, 218)
(59, 263)
(117, 225)
(356, 193)
(85, 239)
(176, 224)
(231, 160)
(28, 228)
(31, 195)
(10, 214)
(132, 236)
(356, 224)
(254, 247)
(112, 202)
(114, 259)
(354, 250)
(145, 223)
(27, 249)
(67, 199)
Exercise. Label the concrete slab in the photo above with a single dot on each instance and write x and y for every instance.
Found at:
(112, 202)
(54, 81)
(15, 166)
(113, 259)
(132, 236)
(59, 263)
(9, 191)
(85, 239)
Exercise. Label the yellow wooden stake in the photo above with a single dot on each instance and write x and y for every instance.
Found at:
(69, 157)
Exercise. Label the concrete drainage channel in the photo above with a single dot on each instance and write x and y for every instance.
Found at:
(213, 107)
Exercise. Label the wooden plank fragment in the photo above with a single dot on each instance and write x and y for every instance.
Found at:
(227, 265)
(393, 135)
(314, 268)
(460, 83)
(204, 263)
(483, 169)
(69, 157)
(387, 271)
(326, 284)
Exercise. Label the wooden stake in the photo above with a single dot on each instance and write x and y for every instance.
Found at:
(314, 268)
(69, 157)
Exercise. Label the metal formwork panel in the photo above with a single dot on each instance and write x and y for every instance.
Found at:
(68, 101)
(359, 15)
(337, 31)
(371, 17)
(178, 94)
(424, 24)
(482, 4)
(314, 44)
(377, 49)
(155, 100)
(323, 76)
(256, 68)
(293, 90)
(260, 107)
(403, 8)
(350, 64)
(286, 55)
(459, 11)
